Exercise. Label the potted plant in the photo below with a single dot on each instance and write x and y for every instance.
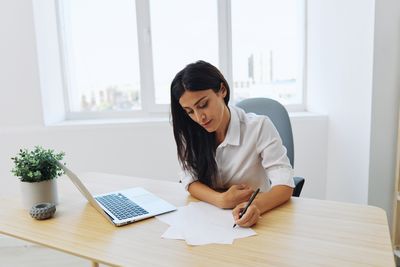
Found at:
(38, 170)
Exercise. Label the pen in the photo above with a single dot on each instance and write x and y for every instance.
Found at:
(253, 196)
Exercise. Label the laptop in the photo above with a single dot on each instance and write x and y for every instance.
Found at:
(124, 206)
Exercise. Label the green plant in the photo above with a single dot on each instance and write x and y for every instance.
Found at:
(37, 165)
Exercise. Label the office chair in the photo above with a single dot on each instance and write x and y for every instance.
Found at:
(280, 118)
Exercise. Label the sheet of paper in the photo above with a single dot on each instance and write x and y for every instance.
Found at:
(170, 218)
(200, 223)
(172, 232)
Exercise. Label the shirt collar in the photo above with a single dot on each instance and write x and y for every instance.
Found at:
(233, 134)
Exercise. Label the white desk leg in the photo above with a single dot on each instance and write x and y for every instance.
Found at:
(95, 264)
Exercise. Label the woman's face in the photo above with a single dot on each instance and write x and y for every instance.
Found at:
(206, 107)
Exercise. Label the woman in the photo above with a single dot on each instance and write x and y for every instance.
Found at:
(225, 153)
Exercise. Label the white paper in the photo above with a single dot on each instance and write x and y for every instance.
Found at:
(170, 218)
(200, 223)
(173, 232)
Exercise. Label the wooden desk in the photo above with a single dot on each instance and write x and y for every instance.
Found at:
(303, 232)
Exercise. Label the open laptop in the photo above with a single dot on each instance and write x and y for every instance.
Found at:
(124, 206)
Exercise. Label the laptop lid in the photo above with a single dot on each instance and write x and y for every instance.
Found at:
(153, 204)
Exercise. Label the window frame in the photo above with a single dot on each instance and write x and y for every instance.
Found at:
(149, 108)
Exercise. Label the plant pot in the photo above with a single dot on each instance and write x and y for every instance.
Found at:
(34, 193)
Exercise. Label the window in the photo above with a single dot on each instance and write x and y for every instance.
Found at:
(100, 55)
(181, 37)
(266, 50)
(119, 57)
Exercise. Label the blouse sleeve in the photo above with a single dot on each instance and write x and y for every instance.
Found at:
(186, 179)
(273, 154)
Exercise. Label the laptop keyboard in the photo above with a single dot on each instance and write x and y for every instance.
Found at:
(121, 206)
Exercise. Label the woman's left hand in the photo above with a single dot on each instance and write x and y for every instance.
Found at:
(249, 218)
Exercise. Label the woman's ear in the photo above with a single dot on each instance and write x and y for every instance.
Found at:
(222, 90)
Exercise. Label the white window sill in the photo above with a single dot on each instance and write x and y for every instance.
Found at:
(166, 119)
(111, 121)
(131, 122)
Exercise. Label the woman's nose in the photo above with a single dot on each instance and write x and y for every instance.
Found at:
(200, 117)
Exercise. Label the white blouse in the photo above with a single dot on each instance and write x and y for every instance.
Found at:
(252, 153)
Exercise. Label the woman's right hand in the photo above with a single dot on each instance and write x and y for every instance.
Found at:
(235, 195)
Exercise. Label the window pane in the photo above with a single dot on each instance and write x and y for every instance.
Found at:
(266, 48)
(101, 54)
(183, 31)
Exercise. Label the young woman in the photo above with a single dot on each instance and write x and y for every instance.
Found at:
(225, 153)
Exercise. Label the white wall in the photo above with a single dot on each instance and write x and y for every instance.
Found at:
(137, 149)
(385, 104)
(148, 149)
(340, 63)
(142, 149)
(19, 80)
(353, 76)
(310, 135)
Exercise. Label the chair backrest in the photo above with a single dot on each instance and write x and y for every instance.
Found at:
(278, 115)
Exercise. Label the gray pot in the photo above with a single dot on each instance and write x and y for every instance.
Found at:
(34, 193)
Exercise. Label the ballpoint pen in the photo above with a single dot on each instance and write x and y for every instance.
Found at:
(253, 196)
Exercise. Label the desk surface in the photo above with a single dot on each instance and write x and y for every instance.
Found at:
(306, 231)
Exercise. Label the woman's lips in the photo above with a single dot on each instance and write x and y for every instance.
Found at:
(206, 124)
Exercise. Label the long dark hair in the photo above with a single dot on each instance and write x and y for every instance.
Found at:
(195, 146)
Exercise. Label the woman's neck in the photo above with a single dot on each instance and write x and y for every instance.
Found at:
(220, 134)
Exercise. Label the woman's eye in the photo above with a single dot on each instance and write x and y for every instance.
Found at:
(203, 105)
